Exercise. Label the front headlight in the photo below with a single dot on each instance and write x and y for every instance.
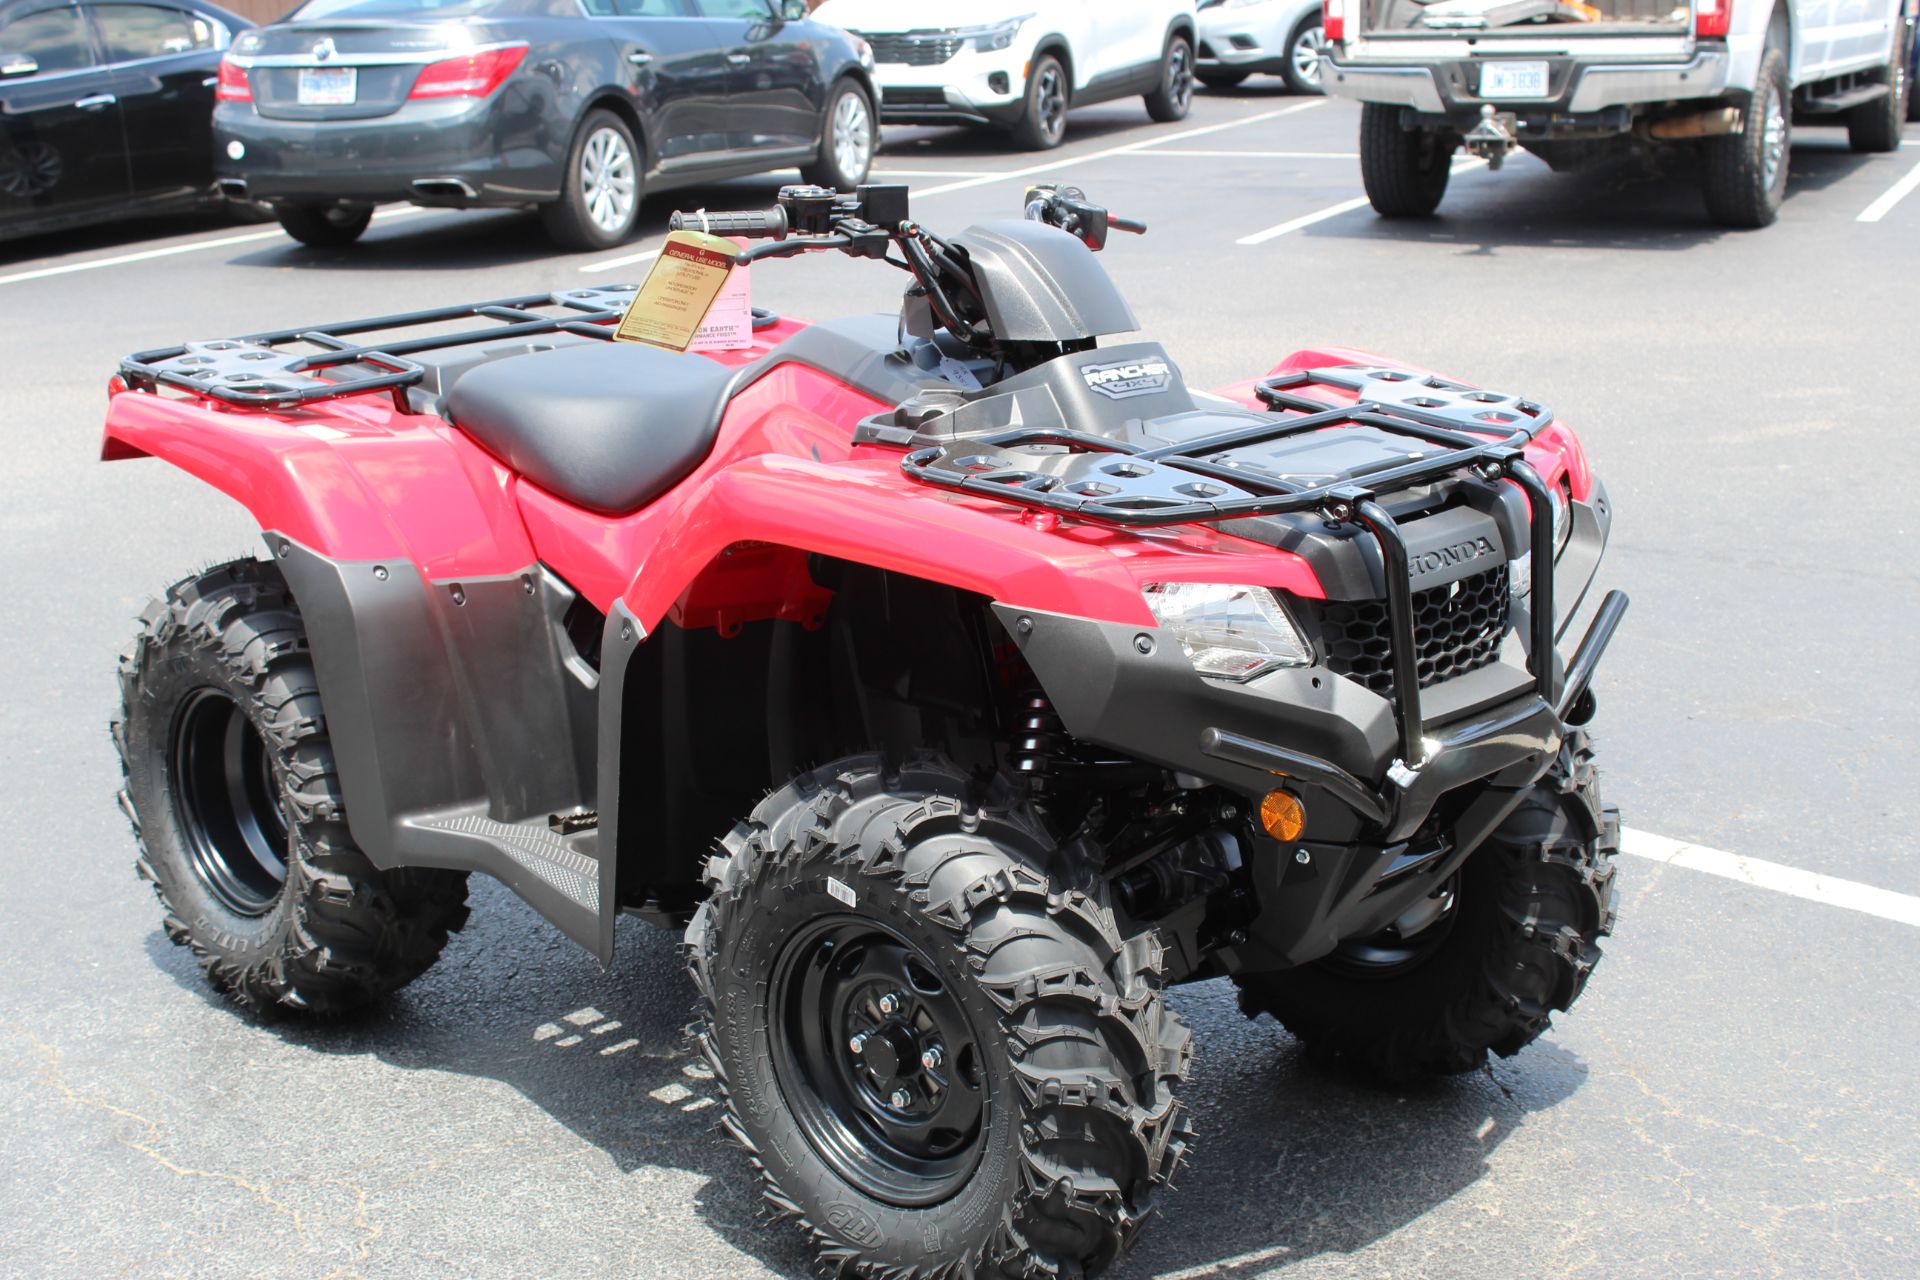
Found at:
(994, 38)
(1230, 632)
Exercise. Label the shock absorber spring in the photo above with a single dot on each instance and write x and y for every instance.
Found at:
(1039, 737)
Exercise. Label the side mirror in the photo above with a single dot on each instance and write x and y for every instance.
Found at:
(15, 65)
(793, 10)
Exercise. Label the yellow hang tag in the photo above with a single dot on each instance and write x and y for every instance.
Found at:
(673, 303)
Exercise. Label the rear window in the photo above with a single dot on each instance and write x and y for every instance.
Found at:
(327, 10)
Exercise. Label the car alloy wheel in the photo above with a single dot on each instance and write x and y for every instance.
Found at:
(852, 135)
(1773, 140)
(1306, 51)
(1180, 74)
(608, 182)
(1051, 102)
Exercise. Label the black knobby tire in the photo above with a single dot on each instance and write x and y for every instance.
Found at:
(847, 103)
(1743, 179)
(1172, 98)
(1074, 1054)
(1530, 907)
(1297, 80)
(219, 685)
(1043, 122)
(1220, 79)
(325, 226)
(570, 220)
(1405, 171)
(1875, 127)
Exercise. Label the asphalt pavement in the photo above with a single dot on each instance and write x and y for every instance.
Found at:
(1735, 1095)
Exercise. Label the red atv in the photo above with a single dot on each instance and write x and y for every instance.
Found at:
(1116, 685)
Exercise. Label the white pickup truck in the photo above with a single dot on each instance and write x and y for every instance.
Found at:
(1574, 81)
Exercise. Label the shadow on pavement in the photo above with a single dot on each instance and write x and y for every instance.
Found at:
(1291, 1162)
(132, 235)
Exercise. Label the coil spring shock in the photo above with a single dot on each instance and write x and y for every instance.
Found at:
(1039, 736)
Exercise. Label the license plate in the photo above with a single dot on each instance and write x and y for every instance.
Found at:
(1513, 80)
(328, 86)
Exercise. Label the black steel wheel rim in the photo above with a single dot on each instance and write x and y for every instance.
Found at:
(878, 1060)
(1407, 943)
(227, 798)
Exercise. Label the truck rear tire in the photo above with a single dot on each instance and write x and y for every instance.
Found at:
(933, 1042)
(1875, 127)
(1515, 941)
(236, 809)
(1744, 175)
(1405, 170)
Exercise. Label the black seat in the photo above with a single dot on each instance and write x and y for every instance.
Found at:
(608, 426)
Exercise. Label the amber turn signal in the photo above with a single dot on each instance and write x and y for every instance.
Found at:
(1282, 814)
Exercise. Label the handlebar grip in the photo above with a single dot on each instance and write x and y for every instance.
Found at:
(768, 224)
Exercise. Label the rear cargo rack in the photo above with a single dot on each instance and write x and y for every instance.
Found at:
(1117, 482)
(281, 370)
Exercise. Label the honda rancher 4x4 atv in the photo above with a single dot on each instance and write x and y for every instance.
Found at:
(1042, 682)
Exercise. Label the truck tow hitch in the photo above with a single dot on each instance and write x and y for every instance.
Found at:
(1493, 138)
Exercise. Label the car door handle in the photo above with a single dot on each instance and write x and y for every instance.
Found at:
(96, 101)
(738, 59)
(640, 59)
(210, 82)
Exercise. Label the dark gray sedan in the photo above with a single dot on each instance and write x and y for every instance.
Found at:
(576, 107)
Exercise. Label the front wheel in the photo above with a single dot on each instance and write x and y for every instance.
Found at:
(1173, 98)
(324, 226)
(935, 1044)
(1043, 124)
(1405, 171)
(1216, 79)
(1482, 964)
(600, 196)
(1744, 175)
(848, 139)
(1304, 47)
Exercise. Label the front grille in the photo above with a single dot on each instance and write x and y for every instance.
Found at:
(891, 97)
(1456, 629)
(914, 51)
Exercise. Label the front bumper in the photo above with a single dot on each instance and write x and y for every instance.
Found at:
(1577, 86)
(1251, 39)
(462, 153)
(969, 88)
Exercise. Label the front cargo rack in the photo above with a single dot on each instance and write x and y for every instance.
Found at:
(1118, 482)
(292, 367)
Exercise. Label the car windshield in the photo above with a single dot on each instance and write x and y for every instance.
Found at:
(318, 10)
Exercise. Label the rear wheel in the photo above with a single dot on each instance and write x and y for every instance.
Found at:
(324, 226)
(848, 139)
(1049, 93)
(1876, 126)
(1405, 171)
(1744, 175)
(1216, 79)
(1174, 97)
(600, 200)
(1483, 963)
(235, 804)
(934, 1043)
(1304, 47)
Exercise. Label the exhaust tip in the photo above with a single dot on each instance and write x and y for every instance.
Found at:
(233, 188)
(440, 190)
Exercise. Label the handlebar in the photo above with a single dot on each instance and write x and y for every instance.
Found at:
(767, 224)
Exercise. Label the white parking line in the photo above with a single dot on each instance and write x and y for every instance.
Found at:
(625, 260)
(1814, 887)
(172, 250)
(1250, 155)
(1894, 195)
(930, 173)
(1333, 211)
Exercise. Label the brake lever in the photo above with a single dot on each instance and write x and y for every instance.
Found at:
(790, 248)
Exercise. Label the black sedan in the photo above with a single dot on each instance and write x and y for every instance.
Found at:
(106, 110)
(576, 107)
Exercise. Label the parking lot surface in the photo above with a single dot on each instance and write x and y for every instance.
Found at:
(1734, 1096)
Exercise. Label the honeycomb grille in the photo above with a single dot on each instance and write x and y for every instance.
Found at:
(1456, 629)
(914, 51)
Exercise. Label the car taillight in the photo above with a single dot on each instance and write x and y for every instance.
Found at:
(1333, 19)
(472, 75)
(1712, 17)
(232, 85)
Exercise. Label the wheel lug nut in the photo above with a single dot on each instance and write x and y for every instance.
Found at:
(858, 1043)
(931, 1058)
(890, 1003)
(900, 1098)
